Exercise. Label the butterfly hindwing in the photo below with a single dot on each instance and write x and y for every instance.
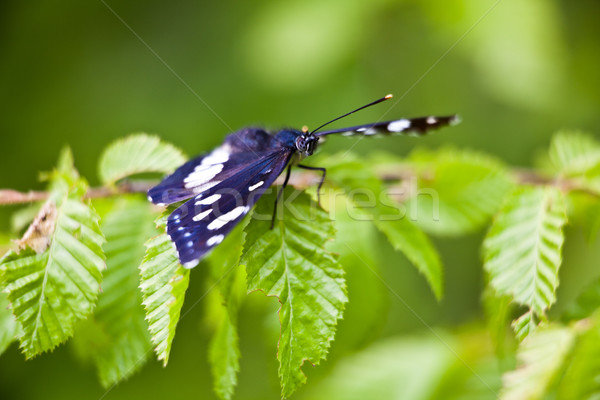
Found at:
(404, 126)
(201, 173)
(205, 220)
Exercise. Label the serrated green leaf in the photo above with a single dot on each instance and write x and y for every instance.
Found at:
(358, 180)
(522, 250)
(136, 154)
(230, 279)
(574, 152)
(582, 377)
(290, 262)
(456, 192)
(8, 324)
(540, 357)
(524, 325)
(119, 317)
(163, 283)
(50, 291)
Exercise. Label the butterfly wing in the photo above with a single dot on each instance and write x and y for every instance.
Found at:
(405, 126)
(203, 221)
(200, 174)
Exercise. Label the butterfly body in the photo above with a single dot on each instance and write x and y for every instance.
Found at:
(221, 187)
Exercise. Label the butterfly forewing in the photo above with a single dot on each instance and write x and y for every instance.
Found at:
(203, 221)
(240, 149)
(404, 126)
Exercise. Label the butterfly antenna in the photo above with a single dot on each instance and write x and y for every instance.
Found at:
(389, 96)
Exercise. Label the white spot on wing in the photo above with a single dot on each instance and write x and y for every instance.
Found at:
(349, 133)
(256, 186)
(227, 217)
(209, 200)
(206, 186)
(398, 126)
(213, 240)
(370, 131)
(218, 156)
(191, 264)
(202, 215)
(431, 120)
(202, 174)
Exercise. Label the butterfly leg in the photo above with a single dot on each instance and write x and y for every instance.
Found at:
(285, 182)
(323, 172)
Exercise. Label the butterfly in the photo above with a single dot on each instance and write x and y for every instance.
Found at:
(221, 187)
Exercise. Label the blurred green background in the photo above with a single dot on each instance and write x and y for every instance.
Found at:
(86, 73)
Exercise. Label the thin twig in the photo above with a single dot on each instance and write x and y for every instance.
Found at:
(300, 180)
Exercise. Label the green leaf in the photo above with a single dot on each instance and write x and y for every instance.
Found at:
(164, 283)
(574, 153)
(524, 325)
(50, 290)
(119, 317)
(541, 357)
(522, 250)
(136, 154)
(417, 247)
(456, 192)
(582, 377)
(290, 262)
(8, 324)
(52, 280)
(230, 279)
(364, 189)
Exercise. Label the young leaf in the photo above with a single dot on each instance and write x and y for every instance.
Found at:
(456, 191)
(119, 316)
(52, 289)
(136, 154)
(163, 283)
(524, 325)
(358, 180)
(540, 357)
(53, 279)
(574, 153)
(522, 250)
(8, 324)
(230, 279)
(290, 262)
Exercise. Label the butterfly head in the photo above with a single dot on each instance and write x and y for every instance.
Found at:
(306, 143)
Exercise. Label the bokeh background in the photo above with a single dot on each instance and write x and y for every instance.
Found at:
(86, 73)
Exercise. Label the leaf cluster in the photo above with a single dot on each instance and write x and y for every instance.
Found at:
(104, 273)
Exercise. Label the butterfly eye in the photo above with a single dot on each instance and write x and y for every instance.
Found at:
(301, 144)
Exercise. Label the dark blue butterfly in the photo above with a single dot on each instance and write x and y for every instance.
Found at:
(222, 186)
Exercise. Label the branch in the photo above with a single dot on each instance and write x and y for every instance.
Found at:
(298, 179)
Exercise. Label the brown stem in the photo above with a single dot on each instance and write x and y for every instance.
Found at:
(298, 179)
